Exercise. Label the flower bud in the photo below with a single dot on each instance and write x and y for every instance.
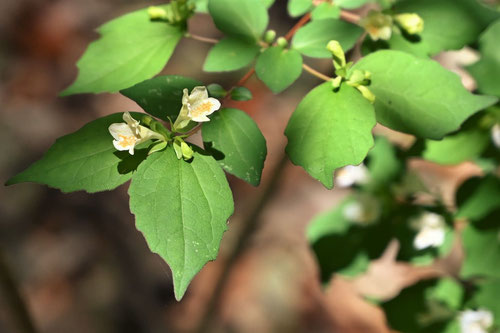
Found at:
(337, 52)
(282, 42)
(187, 152)
(157, 13)
(366, 93)
(269, 36)
(410, 22)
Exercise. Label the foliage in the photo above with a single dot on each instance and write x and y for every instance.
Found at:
(179, 193)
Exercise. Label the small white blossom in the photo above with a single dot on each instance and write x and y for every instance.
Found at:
(199, 105)
(378, 25)
(352, 174)
(364, 211)
(431, 229)
(129, 134)
(479, 321)
(495, 135)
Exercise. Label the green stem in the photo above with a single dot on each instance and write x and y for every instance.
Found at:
(13, 298)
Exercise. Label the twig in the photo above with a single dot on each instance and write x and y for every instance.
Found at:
(350, 17)
(202, 39)
(14, 299)
(297, 26)
(316, 73)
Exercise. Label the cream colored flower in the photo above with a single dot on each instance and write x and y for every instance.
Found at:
(431, 229)
(378, 25)
(479, 321)
(351, 175)
(495, 135)
(129, 134)
(196, 107)
(365, 210)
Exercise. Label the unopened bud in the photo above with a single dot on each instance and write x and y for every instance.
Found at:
(269, 36)
(366, 93)
(337, 52)
(157, 13)
(187, 152)
(410, 22)
(336, 82)
(282, 42)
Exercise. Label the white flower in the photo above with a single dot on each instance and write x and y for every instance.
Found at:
(129, 134)
(196, 107)
(431, 229)
(199, 105)
(378, 25)
(479, 321)
(351, 174)
(364, 211)
(495, 135)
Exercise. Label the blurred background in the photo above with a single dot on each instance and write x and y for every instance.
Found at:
(78, 260)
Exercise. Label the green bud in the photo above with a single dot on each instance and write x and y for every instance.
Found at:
(178, 149)
(336, 82)
(366, 93)
(282, 42)
(337, 52)
(157, 13)
(216, 90)
(410, 22)
(160, 146)
(269, 36)
(146, 120)
(187, 152)
(357, 77)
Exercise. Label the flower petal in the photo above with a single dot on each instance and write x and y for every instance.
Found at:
(198, 94)
(118, 129)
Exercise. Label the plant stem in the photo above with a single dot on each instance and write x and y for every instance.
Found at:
(250, 225)
(297, 26)
(13, 298)
(202, 39)
(350, 17)
(316, 73)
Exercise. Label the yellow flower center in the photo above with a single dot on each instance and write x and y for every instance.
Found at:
(201, 109)
(127, 141)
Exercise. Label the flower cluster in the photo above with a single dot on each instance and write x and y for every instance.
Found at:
(431, 230)
(196, 107)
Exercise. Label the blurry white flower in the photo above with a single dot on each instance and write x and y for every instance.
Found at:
(351, 174)
(129, 134)
(378, 25)
(495, 135)
(431, 229)
(364, 211)
(479, 321)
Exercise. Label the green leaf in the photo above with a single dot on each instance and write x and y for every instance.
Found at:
(351, 4)
(478, 200)
(299, 7)
(383, 163)
(241, 94)
(182, 209)
(330, 130)
(487, 70)
(325, 10)
(216, 90)
(132, 48)
(84, 160)
(234, 134)
(230, 54)
(421, 309)
(449, 24)
(460, 147)
(486, 297)
(482, 252)
(244, 19)
(311, 39)
(162, 95)
(278, 68)
(408, 101)
(342, 247)
(202, 5)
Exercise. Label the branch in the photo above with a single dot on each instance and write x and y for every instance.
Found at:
(202, 39)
